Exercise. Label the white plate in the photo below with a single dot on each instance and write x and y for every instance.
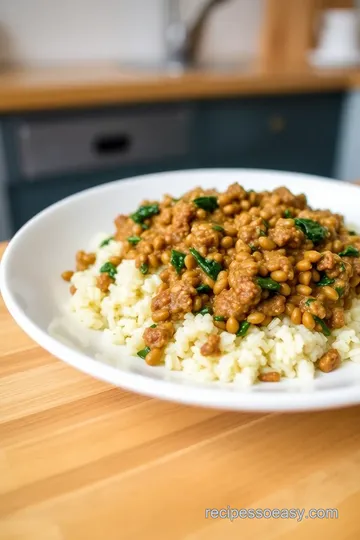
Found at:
(34, 292)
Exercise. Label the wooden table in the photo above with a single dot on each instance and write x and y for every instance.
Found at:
(80, 459)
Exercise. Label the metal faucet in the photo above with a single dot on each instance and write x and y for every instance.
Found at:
(182, 43)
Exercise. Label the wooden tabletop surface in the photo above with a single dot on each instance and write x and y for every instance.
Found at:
(99, 84)
(80, 459)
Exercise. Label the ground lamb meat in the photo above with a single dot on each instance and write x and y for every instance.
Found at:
(159, 336)
(283, 235)
(274, 306)
(248, 292)
(181, 299)
(212, 346)
(161, 300)
(203, 234)
(337, 318)
(227, 304)
(183, 213)
(286, 197)
(327, 261)
(329, 361)
(238, 270)
(313, 306)
(276, 260)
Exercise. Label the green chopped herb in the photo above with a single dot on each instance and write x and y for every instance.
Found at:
(205, 311)
(268, 283)
(145, 212)
(217, 228)
(211, 268)
(145, 227)
(107, 241)
(207, 203)
(352, 233)
(312, 229)
(153, 326)
(266, 223)
(219, 318)
(176, 200)
(177, 260)
(144, 268)
(204, 289)
(325, 328)
(350, 251)
(325, 280)
(253, 247)
(342, 267)
(288, 214)
(309, 301)
(133, 240)
(143, 352)
(244, 327)
(262, 233)
(340, 291)
(110, 269)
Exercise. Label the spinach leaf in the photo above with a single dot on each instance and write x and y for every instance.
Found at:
(153, 326)
(217, 228)
(205, 310)
(268, 283)
(325, 280)
(133, 240)
(350, 251)
(219, 318)
(312, 229)
(211, 268)
(266, 223)
(352, 233)
(144, 212)
(206, 203)
(262, 233)
(309, 301)
(326, 330)
(244, 327)
(144, 268)
(110, 269)
(340, 291)
(107, 241)
(204, 289)
(287, 214)
(177, 260)
(342, 267)
(143, 352)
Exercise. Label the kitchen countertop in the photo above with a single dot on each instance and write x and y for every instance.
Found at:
(80, 459)
(109, 83)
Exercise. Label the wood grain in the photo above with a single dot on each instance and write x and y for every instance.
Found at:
(106, 84)
(80, 459)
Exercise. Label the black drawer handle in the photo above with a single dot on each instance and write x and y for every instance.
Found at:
(110, 145)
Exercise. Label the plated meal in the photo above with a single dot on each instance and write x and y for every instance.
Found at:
(234, 286)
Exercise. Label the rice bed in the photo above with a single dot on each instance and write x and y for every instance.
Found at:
(124, 313)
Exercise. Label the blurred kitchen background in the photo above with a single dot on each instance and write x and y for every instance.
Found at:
(97, 90)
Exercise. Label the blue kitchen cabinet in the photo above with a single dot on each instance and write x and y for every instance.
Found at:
(51, 155)
(296, 133)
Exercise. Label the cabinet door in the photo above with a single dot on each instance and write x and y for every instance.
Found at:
(296, 133)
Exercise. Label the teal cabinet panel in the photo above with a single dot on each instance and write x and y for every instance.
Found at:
(297, 133)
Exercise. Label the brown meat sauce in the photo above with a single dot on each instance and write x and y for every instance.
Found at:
(254, 241)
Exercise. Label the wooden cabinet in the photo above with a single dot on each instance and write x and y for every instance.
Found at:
(50, 156)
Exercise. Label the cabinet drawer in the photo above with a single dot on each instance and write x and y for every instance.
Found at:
(58, 146)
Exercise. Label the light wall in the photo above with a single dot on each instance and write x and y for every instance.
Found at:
(50, 31)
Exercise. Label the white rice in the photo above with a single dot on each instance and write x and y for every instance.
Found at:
(125, 312)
